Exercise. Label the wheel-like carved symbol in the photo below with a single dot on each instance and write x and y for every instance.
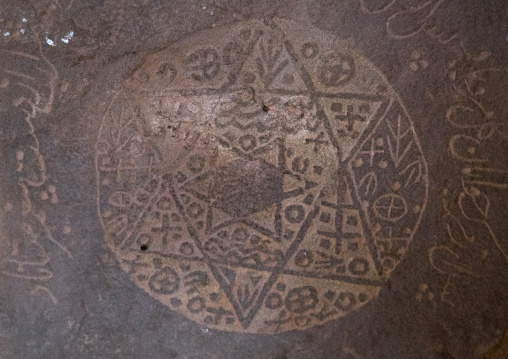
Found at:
(390, 207)
(203, 64)
(336, 69)
(300, 300)
(309, 50)
(165, 281)
(273, 301)
(345, 301)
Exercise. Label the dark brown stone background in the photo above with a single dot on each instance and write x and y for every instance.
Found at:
(90, 309)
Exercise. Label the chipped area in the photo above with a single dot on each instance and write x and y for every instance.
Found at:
(67, 37)
(49, 41)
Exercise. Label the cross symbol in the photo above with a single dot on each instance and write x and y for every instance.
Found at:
(350, 118)
(317, 141)
(371, 151)
(390, 207)
(135, 264)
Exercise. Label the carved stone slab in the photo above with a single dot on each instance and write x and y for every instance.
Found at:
(269, 180)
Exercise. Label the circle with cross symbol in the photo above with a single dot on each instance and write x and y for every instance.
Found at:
(265, 181)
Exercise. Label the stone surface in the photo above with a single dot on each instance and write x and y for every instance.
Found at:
(263, 180)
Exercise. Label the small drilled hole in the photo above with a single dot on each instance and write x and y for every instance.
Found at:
(265, 108)
(144, 247)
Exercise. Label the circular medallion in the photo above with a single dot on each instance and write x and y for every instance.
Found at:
(259, 177)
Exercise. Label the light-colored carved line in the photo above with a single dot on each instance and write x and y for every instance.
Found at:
(366, 10)
(396, 156)
(40, 158)
(457, 268)
(396, 135)
(412, 170)
(40, 288)
(22, 54)
(40, 219)
(119, 126)
(371, 179)
(470, 239)
(41, 262)
(142, 213)
(47, 275)
(348, 350)
(44, 70)
(97, 170)
(29, 210)
(483, 169)
(413, 10)
(438, 36)
(130, 168)
(50, 236)
(445, 291)
(52, 81)
(309, 93)
(19, 74)
(191, 145)
(488, 184)
(487, 225)
(455, 153)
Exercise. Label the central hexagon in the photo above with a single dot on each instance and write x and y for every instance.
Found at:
(243, 187)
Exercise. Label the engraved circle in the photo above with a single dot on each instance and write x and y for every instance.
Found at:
(260, 182)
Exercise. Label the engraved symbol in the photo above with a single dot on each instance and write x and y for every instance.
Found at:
(196, 163)
(345, 301)
(309, 50)
(269, 178)
(319, 140)
(358, 266)
(327, 261)
(273, 301)
(166, 72)
(350, 118)
(294, 213)
(336, 69)
(165, 281)
(301, 299)
(203, 64)
(28, 87)
(376, 6)
(398, 144)
(390, 207)
(304, 258)
(196, 304)
(196, 279)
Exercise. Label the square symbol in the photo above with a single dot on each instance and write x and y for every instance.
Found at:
(352, 221)
(318, 170)
(329, 295)
(325, 217)
(325, 243)
(352, 246)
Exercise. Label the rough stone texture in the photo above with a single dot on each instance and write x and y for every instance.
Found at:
(230, 179)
